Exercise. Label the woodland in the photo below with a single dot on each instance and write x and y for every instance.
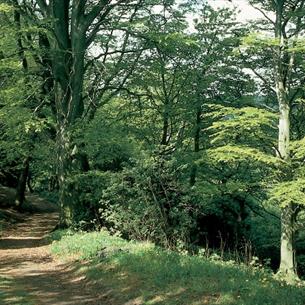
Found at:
(162, 121)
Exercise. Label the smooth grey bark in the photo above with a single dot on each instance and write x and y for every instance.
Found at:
(287, 263)
(282, 68)
(289, 17)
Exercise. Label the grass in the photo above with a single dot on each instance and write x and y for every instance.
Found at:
(141, 274)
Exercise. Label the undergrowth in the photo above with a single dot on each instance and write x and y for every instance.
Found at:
(143, 274)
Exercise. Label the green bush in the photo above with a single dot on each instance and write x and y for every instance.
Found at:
(148, 202)
(89, 188)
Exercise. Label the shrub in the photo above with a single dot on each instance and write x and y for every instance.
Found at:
(148, 202)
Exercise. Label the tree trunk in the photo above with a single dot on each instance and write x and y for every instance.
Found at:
(165, 128)
(68, 71)
(196, 145)
(287, 268)
(287, 264)
(20, 191)
(72, 36)
(17, 20)
(64, 173)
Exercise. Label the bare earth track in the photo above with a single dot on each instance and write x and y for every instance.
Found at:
(29, 275)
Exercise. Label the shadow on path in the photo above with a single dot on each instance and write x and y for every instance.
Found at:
(15, 243)
(29, 275)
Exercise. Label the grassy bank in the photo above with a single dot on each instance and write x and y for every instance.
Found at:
(139, 273)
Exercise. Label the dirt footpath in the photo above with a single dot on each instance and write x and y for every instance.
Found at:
(28, 273)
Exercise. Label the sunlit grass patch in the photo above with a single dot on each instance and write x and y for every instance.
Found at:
(143, 274)
(93, 245)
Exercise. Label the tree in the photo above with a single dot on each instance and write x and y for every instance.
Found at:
(214, 71)
(73, 25)
(18, 96)
(286, 19)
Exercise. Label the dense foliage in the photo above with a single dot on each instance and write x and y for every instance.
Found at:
(136, 119)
